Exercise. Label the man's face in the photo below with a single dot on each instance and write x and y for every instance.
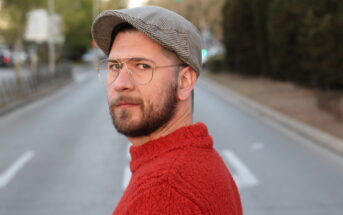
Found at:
(138, 110)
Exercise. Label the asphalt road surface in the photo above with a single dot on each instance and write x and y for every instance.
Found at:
(61, 155)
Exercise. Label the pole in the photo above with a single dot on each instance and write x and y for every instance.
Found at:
(51, 4)
(17, 64)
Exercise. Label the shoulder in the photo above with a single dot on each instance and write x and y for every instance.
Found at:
(186, 181)
(201, 175)
(197, 164)
(159, 198)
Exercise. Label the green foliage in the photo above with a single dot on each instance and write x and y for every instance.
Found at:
(77, 23)
(259, 8)
(14, 11)
(284, 28)
(239, 37)
(293, 40)
(321, 42)
(305, 42)
(216, 63)
(77, 17)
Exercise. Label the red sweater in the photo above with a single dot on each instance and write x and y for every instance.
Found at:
(180, 173)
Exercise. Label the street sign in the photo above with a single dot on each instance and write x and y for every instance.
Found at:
(56, 23)
(37, 28)
(41, 27)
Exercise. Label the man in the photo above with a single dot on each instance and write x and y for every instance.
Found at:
(154, 59)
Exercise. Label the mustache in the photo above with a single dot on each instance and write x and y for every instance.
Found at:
(125, 99)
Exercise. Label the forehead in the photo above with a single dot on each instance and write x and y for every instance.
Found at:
(134, 44)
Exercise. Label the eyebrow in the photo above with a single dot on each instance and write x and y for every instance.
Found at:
(134, 58)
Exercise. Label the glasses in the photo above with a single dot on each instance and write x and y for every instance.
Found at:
(140, 69)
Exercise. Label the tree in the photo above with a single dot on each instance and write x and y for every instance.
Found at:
(305, 42)
(240, 37)
(260, 17)
(14, 13)
(77, 16)
(284, 28)
(320, 40)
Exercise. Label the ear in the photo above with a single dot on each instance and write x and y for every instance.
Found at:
(186, 81)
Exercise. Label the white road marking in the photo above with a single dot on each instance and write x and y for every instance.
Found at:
(128, 151)
(126, 178)
(11, 171)
(257, 146)
(243, 176)
(127, 171)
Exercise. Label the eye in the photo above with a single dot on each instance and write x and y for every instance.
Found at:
(143, 66)
(114, 66)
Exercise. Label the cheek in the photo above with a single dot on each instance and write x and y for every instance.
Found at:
(156, 98)
(151, 100)
(110, 94)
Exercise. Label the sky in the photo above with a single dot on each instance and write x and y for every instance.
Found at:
(135, 3)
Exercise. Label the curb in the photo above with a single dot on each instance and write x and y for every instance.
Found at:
(309, 132)
(21, 102)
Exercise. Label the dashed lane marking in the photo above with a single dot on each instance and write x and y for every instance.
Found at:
(127, 171)
(126, 178)
(12, 170)
(242, 176)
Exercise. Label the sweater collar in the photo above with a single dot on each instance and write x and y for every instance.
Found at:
(190, 136)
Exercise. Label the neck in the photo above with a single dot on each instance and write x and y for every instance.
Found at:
(179, 120)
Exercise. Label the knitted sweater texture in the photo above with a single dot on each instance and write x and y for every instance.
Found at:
(180, 173)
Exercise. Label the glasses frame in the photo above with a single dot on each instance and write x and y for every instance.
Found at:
(124, 61)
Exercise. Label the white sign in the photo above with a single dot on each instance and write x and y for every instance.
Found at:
(41, 27)
(37, 28)
(56, 28)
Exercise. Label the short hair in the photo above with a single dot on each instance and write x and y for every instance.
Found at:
(120, 28)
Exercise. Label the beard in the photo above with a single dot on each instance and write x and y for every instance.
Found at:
(153, 116)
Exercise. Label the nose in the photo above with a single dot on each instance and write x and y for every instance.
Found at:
(123, 81)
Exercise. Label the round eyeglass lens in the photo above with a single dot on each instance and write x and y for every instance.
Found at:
(105, 74)
(140, 70)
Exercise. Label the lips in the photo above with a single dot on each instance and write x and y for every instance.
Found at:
(125, 104)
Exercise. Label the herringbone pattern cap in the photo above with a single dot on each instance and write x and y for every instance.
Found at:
(167, 28)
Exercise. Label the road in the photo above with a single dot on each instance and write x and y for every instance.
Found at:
(61, 155)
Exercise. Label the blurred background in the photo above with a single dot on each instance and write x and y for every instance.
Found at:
(291, 41)
(271, 94)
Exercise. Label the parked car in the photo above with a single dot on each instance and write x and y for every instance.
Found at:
(5, 56)
(19, 57)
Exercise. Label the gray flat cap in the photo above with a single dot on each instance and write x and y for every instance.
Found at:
(167, 28)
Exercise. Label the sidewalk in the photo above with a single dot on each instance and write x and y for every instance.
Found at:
(293, 101)
(31, 86)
